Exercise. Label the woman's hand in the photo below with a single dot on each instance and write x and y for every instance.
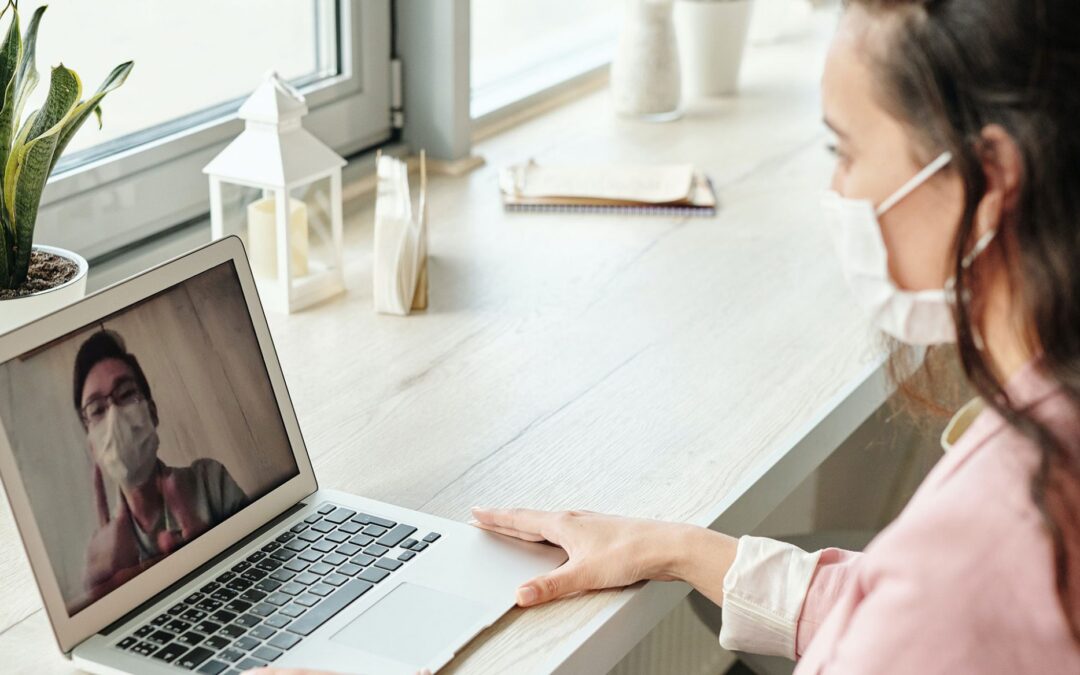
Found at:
(612, 551)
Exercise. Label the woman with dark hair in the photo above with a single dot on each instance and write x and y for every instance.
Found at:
(957, 218)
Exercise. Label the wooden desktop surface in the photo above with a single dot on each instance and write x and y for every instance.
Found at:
(677, 368)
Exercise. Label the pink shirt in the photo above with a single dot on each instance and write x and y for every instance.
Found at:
(960, 582)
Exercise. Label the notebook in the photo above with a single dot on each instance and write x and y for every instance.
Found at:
(674, 189)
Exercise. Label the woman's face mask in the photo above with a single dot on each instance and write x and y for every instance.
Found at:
(914, 317)
(125, 443)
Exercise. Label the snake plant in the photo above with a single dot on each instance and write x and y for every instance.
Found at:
(29, 150)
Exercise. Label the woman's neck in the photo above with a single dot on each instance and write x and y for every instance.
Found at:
(1003, 331)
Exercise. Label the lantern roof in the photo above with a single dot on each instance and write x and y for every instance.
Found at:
(274, 150)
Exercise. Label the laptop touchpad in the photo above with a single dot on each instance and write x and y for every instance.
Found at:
(412, 624)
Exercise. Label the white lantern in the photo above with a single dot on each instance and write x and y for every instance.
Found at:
(279, 188)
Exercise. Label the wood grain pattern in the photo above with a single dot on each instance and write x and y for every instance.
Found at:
(639, 365)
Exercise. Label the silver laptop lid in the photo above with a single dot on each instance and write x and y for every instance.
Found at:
(143, 430)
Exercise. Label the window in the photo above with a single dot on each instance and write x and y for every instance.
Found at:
(195, 62)
(522, 47)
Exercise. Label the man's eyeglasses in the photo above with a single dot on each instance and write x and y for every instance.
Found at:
(124, 393)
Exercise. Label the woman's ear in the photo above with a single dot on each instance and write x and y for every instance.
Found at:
(1003, 166)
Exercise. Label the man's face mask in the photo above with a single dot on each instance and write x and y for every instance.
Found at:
(914, 317)
(125, 443)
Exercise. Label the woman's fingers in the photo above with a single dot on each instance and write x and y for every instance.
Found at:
(522, 520)
(527, 536)
(565, 580)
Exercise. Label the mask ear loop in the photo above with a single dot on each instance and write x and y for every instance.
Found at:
(916, 180)
(950, 284)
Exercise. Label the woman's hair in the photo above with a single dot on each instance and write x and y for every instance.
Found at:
(948, 69)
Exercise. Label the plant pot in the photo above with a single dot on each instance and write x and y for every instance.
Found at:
(712, 37)
(16, 312)
(645, 82)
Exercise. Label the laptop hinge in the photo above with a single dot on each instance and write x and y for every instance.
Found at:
(191, 576)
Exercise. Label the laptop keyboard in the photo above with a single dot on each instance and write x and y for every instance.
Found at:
(278, 595)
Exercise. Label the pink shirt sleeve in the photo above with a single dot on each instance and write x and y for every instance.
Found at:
(834, 571)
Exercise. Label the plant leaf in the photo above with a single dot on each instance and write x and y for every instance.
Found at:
(90, 106)
(30, 162)
(10, 57)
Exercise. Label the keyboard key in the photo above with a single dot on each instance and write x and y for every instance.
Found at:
(339, 515)
(240, 566)
(284, 640)
(191, 638)
(169, 653)
(320, 569)
(323, 526)
(311, 536)
(246, 643)
(313, 518)
(247, 620)
(375, 530)
(193, 598)
(363, 559)
(283, 576)
(255, 557)
(307, 600)
(271, 546)
(145, 648)
(307, 578)
(266, 653)
(408, 543)
(335, 579)
(193, 615)
(325, 610)
(268, 585)
(193, 658)
(213, 667)
(277, 621)
(127, 642)
(144, 631)
(334, 559)
(225, 577)
(373, 574)
(208, 627)
(321, 590)
(298, 528)
(208, 604)
(381, 522)
(406, 556)
(296, 566)
(224, 594)
(283, 554)
(350, 527)
(431, 537)
(254, 575)
(264, 609)
(176, 609)
(261, 632)
(160, 620)
(337, 537)
(297, 545)
(285, 537)
(326, 508)
(277, 599)
(176, 626)
(325, 546)
(223, 616)
(362, 539)
(293, 611)
(233, 631)
(387, 564)
(419, 546)
(349, 569)
(239, 585)
(268, 565)
(310, 556)
(216, 642)
(348, 549)
(396, 535)
(292, 588)
(231, 655)
(249, 663)
(252, 595)
(376, 550)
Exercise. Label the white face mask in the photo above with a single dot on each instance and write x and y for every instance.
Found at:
(125, 443)
(915, 317)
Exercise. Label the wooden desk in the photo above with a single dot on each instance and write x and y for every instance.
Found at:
(684, 369)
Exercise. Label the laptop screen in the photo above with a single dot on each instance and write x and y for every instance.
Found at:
(138, 433)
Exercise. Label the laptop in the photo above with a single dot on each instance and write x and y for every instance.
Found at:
(170, 513)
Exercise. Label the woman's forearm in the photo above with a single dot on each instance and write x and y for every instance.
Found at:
(701, 558)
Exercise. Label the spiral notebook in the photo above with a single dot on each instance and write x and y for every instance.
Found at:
(673, 189)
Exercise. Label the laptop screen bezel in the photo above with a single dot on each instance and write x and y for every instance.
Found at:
(71, 630)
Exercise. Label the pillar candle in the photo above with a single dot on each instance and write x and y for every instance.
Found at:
(262, 237)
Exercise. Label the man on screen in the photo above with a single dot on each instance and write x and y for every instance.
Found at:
(157, 508)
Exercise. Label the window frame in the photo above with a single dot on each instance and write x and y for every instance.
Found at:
(118, 200)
